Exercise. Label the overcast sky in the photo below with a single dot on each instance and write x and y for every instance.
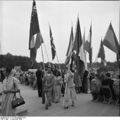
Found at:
(61, 15)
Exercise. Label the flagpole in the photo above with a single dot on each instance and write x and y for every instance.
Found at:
(119, 24)
(46, 52)
(42, 57)
(119, 39)
(90, 45)
(57, 57)
(96, 59)
(58, 62)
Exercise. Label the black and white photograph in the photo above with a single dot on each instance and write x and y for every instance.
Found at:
(59, 58)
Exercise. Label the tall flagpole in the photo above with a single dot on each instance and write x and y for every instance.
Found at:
(58, 63)
(90, 45)
(46, 52)
(119, 39)
(43, 57)
(119, 25)
(118, 53)
(57, 57)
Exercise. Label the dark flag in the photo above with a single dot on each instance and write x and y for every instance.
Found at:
(35, 38)
(76, 61)
(78, 39)
(52, 45)
(87, 45)
(111, 41)
(70, 47)
(101, 53)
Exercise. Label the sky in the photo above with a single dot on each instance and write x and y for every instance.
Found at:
(61, 15)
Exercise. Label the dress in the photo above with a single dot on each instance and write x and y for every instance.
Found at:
(57, 89)
(49, 82)
(70, 93)
(8, 84)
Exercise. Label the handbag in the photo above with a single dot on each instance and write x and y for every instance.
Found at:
(17, 101)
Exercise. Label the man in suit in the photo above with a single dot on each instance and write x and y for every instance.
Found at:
(39, 75)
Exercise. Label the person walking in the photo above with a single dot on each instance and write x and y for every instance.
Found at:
(39, 75)
(10, 87)
(48, 86)
(85, 82)
(57, 88)
(70, 93)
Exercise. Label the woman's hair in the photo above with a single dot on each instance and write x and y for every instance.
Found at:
(108, 74)
(8, 70)
(86, 73)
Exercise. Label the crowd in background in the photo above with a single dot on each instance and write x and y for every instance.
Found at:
(104, 87)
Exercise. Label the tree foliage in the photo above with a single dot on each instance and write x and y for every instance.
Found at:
(25, 63)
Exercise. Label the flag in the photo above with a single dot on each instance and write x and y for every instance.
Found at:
(69, 50)
(80, 67)
(83, 52)
(52, 45)
(35, 38)
(78, 39)
(110, 40)
(87, 45)
(70, 47)
(101, 53)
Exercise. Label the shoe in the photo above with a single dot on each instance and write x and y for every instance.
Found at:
(43, 102)
(66, 107)
(73, 104)
(49, 104)
(46, 107)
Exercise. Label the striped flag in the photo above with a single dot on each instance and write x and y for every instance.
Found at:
(35, 38)
(52, 45)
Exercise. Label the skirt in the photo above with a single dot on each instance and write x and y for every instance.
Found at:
(70, 95)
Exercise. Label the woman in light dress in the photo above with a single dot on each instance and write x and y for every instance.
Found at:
(10, 86)
(70, 93)
(57, 88)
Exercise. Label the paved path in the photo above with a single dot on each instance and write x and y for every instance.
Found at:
(84, 106)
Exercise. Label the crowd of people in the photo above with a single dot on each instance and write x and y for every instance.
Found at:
(105, 88)
(53, 84)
